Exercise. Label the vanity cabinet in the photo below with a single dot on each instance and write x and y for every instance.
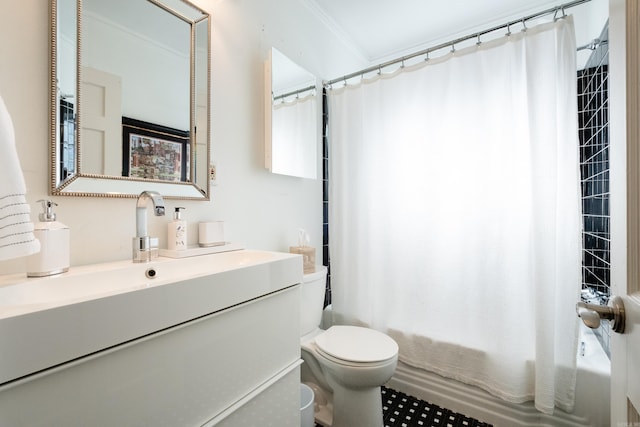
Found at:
(239, 365)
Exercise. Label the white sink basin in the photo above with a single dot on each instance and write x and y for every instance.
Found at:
(19, 294)
(48, 321)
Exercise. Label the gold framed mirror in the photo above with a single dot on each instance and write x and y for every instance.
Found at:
(119, 62)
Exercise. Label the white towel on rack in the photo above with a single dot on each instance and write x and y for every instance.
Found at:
(16, 228)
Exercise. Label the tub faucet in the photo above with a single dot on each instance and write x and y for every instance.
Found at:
(143, 247)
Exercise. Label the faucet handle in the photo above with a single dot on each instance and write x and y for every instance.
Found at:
(141, 249)
(145, 249)
(158, 210)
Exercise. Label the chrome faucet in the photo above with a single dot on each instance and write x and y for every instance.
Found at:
(143, 248)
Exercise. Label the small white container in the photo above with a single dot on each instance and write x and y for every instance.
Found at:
(211, 233)
(177, 232)
(307, 415)
(54, 238)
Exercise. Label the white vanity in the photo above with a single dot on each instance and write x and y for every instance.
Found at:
(207, 340)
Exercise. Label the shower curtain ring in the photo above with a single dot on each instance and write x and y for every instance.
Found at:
(453, 48)
(524, 25)
(479, 41)
(508, 30)
(426, 58)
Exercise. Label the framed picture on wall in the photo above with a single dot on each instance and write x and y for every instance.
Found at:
(156, 152)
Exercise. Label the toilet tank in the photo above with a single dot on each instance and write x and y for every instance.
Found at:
(312, 292)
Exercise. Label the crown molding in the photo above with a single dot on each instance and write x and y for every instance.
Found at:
(336, 29)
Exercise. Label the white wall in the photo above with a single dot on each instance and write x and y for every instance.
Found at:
(144, 68)
(262, 210)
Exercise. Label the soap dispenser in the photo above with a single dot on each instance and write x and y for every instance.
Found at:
(177, 232)
(53, 257)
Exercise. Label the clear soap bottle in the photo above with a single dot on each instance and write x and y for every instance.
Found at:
(54, 238)
(177, 232)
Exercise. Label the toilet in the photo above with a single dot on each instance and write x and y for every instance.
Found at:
(345, 366)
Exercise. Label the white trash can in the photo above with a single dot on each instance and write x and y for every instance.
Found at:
(307, 418)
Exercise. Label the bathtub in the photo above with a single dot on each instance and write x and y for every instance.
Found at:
(592, 405)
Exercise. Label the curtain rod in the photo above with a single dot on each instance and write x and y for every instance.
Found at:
(454, 42)
(294, 92)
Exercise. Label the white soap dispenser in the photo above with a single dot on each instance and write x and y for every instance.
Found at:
(54, 237)
(177, 232)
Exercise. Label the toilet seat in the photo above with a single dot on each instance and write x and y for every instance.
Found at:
(356, 345)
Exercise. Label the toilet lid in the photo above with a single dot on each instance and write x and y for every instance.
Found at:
(356, 344)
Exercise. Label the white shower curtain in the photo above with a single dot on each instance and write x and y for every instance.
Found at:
(295, 137)
(455, 213)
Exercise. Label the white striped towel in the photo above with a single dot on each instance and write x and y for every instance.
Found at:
(16, 228)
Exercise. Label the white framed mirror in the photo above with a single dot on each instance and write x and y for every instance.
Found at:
(130, 90)
(292, 117)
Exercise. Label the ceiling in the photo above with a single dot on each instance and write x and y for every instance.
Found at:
(380, 30)
(146, 19)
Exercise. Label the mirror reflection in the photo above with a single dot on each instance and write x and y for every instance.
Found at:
(291, 118)
(131, 106)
